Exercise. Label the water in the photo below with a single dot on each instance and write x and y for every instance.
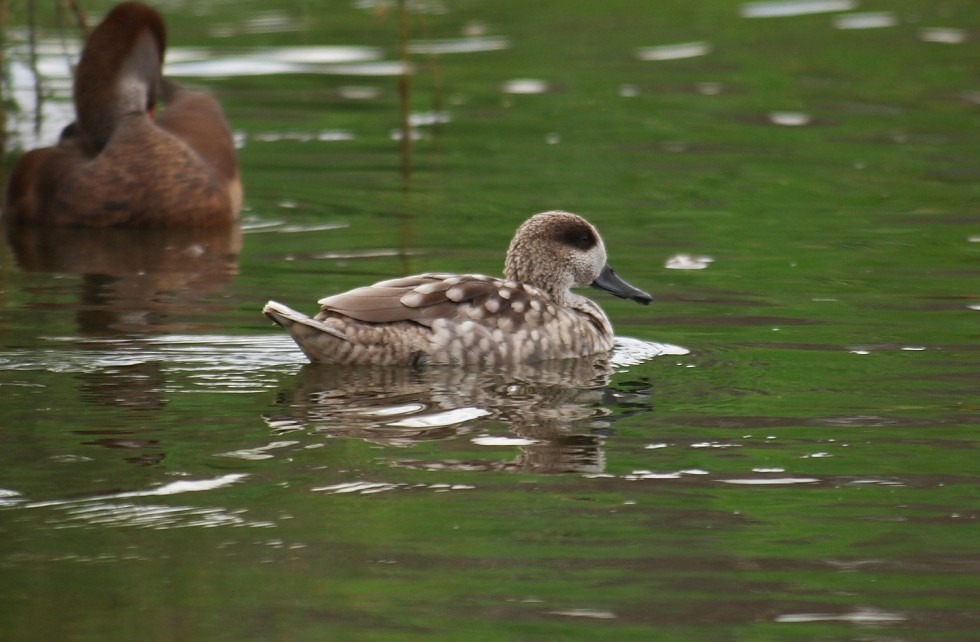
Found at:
(781, 447)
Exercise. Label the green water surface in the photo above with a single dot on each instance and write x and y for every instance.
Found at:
(171, 470)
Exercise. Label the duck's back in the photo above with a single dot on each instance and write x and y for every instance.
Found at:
(146, 177)
(457, 319)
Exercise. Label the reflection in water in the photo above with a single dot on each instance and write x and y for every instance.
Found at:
(29, 124)
(688, 262)
(674, 52)
(266, 62)
(471, 44)
(132, 279)
(525, 86)
(265, 22)
(559, 412)
(863, 615)
(789, 118)
(322, 136)
(784, 8)
(943, 35)
(35, 125)
(110, 511)
(866, 20)
(235, 364)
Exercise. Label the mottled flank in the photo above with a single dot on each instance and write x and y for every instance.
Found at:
(528, 317)
(121, 162)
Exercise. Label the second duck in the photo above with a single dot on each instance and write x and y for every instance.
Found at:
(121, 162)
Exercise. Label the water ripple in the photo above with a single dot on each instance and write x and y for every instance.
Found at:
(372, 488)
(860, 616)
(106, 511)
(217, 363)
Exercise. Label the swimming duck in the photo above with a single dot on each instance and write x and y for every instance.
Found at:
(530, 315)
(117, 164)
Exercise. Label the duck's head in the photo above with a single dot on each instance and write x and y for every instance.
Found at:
(557, 251)
(119, 72)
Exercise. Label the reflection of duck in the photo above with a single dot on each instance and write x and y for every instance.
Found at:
(530, 317)
(558, 412)
(133, 279)
(116, 165)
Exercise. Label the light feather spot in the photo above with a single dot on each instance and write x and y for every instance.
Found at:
(456, 294)
(518, 306)
(413, 299)
(428, 288)
(504, 293)
(492, 306)
(535, 304)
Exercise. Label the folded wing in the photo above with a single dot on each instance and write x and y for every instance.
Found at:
(420, 299)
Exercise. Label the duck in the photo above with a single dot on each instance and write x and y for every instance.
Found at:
(123, 161)
(529, 316)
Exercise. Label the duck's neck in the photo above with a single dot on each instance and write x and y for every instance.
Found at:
(119, 71)
(591, 309)
(557, 284)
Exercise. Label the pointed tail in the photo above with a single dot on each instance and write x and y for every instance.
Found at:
(285, 317)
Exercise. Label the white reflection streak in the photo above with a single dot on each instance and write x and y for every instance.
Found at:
(780, 9)
(589, 613)
(775, 481)
(260, 452)
(632, 352)
(106, 514)
(869, 20)
(674, 52)
(173, 488)
(789, 118)
(356, 487)
(320, 55)
(487, 440)
(371, 488)
(286, 60)
(943, 35)
(448, 418)
(861, 616)
(459, 45)
(688, 262)
(525, 86)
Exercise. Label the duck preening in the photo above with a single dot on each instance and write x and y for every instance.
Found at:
(123, 162)
(529, 316)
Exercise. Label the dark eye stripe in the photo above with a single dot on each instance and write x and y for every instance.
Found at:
(577, 235)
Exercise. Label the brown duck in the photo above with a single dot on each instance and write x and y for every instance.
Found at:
(529, 316)
(121, 163)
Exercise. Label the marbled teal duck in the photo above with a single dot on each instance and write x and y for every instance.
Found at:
(121, 162)
(529, 316)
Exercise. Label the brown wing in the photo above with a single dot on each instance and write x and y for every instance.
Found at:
(421, 299)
